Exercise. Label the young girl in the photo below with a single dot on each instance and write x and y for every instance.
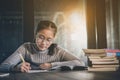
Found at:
(43, 54)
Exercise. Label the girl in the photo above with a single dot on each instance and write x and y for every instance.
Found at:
(43, 54)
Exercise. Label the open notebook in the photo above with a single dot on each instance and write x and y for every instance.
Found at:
(62, 68)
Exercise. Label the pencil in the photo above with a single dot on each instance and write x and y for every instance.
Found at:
(21, 57)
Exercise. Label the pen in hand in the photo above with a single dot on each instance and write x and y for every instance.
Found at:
(21, 57)
(25, 67)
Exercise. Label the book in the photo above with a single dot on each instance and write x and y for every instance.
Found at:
(102, 52)
(112, 50)
(113, 54)
(96, 55)
(102, 59)
(105, 65)
(61, 68)
(102, 69)
(69, 68)
(106, 62)
(94, 51)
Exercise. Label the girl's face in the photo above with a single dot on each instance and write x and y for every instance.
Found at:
(44, 39)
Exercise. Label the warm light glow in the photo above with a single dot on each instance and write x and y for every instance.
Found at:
(71, 31)
(75, 19)
(77, 27)
(74, 36)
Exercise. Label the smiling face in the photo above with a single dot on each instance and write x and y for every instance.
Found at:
(44, 39)
(44, 34)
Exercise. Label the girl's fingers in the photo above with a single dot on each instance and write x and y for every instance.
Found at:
(25, 67)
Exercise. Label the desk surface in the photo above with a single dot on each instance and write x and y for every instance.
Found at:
(65, 75)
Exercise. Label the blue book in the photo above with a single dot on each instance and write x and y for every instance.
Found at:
(117, 53)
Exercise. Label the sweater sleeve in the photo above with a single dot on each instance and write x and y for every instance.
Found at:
(11, 63)
(67, 59)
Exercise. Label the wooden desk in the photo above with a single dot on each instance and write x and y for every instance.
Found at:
(66, 75)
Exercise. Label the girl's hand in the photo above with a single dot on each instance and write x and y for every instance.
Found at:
(25, 67)
(46, 66)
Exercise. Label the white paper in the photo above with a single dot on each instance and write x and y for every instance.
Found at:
(36, 71)
(4, 74)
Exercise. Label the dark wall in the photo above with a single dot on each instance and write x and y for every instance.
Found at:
(28, 20)
(16, 25)
(11, 26)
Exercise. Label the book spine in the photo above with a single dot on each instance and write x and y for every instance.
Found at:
(112, 62)
(112, 50)
(117, 54)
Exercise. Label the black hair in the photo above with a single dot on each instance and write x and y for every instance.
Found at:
(51, 49)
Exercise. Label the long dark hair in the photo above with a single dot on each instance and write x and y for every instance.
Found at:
(46, 24)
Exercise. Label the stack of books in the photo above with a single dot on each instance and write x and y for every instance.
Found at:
(102, 59)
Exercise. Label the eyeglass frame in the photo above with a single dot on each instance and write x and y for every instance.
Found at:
(39, 37)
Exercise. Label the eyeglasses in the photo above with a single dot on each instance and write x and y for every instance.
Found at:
(42, 38)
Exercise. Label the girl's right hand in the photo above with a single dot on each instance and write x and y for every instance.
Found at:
(25, 67)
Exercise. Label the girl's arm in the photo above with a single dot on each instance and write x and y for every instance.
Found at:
(12, 62)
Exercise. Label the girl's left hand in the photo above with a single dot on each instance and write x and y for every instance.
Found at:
(46, 66)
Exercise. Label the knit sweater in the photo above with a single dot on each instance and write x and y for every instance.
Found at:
(31, 54)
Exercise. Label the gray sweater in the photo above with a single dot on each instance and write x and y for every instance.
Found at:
(31, 54)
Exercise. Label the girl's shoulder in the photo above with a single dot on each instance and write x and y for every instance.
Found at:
(27, 43)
